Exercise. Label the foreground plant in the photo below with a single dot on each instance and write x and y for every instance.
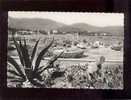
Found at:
(29, 73)
(111, 78)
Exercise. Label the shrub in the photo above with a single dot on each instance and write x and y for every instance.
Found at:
(111, 78)
(29, 74)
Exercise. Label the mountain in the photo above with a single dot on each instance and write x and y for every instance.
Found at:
(33, 24)
(47, 25)
(117, 30)
(68, 28)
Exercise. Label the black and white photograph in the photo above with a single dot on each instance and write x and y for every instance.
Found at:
(75, 50)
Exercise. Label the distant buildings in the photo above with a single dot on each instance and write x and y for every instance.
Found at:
(75, 33)
(55, 31)
(25, 32)
(99, 34)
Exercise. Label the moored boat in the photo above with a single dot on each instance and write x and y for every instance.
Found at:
(69, 53)
(116, 47)
(82, 46)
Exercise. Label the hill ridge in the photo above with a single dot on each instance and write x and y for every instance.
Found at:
(48, 24)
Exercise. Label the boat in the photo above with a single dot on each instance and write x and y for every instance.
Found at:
(69, 53)
(82, 46)
(116, 47)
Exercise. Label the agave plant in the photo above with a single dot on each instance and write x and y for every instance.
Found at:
(27, 73)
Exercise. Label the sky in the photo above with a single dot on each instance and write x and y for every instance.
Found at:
(97, 19)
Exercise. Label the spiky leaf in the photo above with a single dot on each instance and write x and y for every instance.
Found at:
(19, 51)
(12, 78)
(49, 64)
(39, 58)
(16, 80)
(34, 51)
(14, 72)
(10, 75)
(53, 59)
(16, 66)
(26, 56)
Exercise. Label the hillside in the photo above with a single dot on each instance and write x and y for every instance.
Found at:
(117, 30)
(34, 24)
(47, 25)
(67, 28)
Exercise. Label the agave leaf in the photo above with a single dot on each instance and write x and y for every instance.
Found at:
(18, 50)
(25, 43)
(53, 59)
(16, 80)
(39, 58)
(34, 51)
(48, 65)
(41, 68)
(20, 44)
(25, 55)
(29, 73)
(16, 66)
(13, 76)
(14, 72)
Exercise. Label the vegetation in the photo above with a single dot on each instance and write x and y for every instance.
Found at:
(111, 77)
(32, 72)
(29, 73)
